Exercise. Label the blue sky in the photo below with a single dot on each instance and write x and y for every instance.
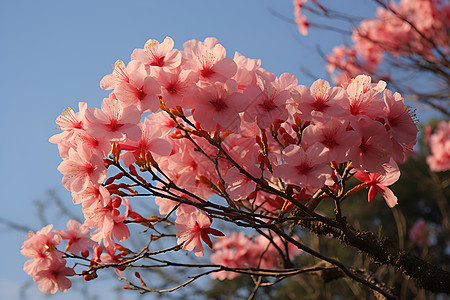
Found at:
(54, 53)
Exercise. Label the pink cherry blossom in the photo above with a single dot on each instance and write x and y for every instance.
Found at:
(374, 148)
(109, 222)
(140, 91)
(157, 55)
(320, 97)
(303, 168)
(114, 122)
(119, 75)
(193, 227)
(401, 125)
(208, 60)
(268, 99)
(176, 85)
(420, 234)
(378, 183)
(217, 107)
(247, 70)
(54, 278)
(149, 143)
(331, 136)
(81, 168)
(439, 143)
(365, 97)
(76, 235)
(41, 248)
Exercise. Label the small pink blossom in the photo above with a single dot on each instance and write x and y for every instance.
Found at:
(82, 168)
(54, 278)
(439, 143)
(158, 55)
(119, 75)
(193, 227)
(331, 136)
(114, 122)
(303, 168)
(420, 234)
(208, 59)
(374, 148)
(378, 183)
(76, 235)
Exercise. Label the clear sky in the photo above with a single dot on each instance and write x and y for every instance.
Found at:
(53, 54)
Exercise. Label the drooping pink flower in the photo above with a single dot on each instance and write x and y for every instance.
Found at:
(193, 227)
(109, 222)
(41, 248)
(378, 183)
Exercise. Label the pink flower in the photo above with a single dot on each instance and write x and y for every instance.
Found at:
(109, 222)
(420, 234)
(208, 60)
(439, 143)
(150, 142)
(76, 234)
(401, 125)
(41, 248)
(114, 122)
(141, 91)
(119, 75)
(82, 168)
(303, 168)
(320, 97)
(193, 227)
(365, 97)
(331, 136)
(378, 183)
(374, 148)
(176, 85)
(268, 99)
(217, 107)
(246, 72)
(157, 55)
(54, 278)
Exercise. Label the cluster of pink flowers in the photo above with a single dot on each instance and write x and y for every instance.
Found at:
(240, 251)
(439, 143)
(403, 29)
(47, 265)
(163, 94)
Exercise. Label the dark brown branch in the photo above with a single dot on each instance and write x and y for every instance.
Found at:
(383, 251)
